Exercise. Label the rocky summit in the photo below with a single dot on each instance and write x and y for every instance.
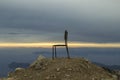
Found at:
(61, 69)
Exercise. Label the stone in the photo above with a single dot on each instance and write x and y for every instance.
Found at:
(47, 78)
(86, 60)
(10, 79)
(3, 78)
(108, 79)
(38, 62)
(19, 69)
(30, 76)
(69, 69)
(58, 69)
(67, 75)
(25, 75)
(44, 68)
(115, 76)
(40, 57)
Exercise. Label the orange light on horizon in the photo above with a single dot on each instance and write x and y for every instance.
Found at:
(70, 44)
(95, 45)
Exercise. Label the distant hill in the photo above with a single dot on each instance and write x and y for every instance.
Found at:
(112, 67)
(41, 53)
(15, 65)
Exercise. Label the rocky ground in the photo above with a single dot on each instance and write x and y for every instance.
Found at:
(61, 69)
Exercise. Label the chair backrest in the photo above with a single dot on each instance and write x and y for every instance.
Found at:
(66, 36)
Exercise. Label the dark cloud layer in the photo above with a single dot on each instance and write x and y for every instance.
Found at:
(44, 21)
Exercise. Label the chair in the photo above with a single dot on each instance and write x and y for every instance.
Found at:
(54, 55)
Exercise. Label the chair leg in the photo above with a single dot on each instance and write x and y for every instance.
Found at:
(67, 52)
(55, 52)
(52, 52)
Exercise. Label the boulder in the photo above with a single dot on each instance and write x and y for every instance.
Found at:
(19, 69)
(38, 63)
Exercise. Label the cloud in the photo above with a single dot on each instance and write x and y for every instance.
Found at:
(91, 21)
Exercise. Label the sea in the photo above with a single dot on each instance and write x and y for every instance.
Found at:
(107, 56)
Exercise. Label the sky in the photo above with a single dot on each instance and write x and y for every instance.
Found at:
(94, 22)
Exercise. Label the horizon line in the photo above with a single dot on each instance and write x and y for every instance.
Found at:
(49, 45)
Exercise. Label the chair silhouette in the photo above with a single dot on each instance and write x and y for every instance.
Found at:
(54, 54)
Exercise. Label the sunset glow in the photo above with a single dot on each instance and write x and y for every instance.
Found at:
(49, 45)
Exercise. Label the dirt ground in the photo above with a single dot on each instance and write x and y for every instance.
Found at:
(62, 69)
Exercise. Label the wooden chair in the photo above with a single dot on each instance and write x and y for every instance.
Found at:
(54, 55)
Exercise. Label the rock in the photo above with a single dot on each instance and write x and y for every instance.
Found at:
(108, 79)
(86, 60)
(37, 64)
(115, 76)
(44, 68)
(30, 76)
(3, 78)
(25, 75)
(19, 69)
(40, 57)
(67, 75)
(58, 69)
(118, 72)
(7, 79)
(93, 78)
(69, 69)
(47, 78)
(10, 79)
